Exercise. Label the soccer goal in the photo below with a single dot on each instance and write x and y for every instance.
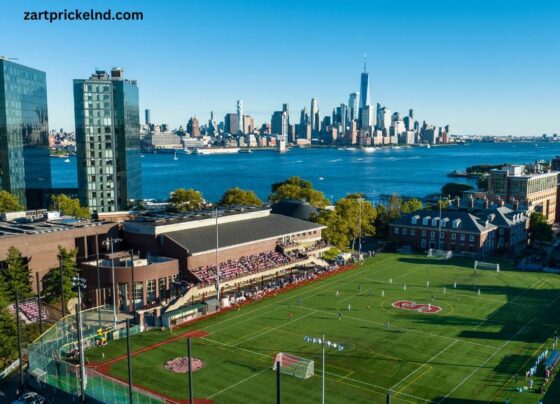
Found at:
(294, 365)
(487, 265)
(440, 254)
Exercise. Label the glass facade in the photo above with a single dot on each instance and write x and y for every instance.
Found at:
(107, 120)
(25, 168)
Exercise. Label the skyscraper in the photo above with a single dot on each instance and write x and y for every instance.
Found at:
(239, 116)
(147, 117)
(353, 104)
(25, 168)
(314, 115)
(193, 127)
(364, 87)
(279, 124)
(107, 119)
(231, 125)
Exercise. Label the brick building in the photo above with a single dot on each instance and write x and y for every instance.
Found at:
(464, 231)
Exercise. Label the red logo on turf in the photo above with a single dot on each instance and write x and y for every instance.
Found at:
(421, 307)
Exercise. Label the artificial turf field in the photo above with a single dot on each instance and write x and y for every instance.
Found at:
(466, 353)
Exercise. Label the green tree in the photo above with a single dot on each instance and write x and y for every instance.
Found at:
(15, 275)
(8, 331)
(184, 200)
(336, 232)
(9, 202)
(482, 182)
(238, 196)
(298, 189)
(52, 279)
(69, 206)
(343, 223)
(454, 189)
(411, 205)
(539, 229)
(388, 213)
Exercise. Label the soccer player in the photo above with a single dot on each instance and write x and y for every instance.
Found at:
(404, 287)
(291, 315)
(349, 307)
(337, 293)
(339, 315)
(382, 293)
(433, 298)
(391, 281)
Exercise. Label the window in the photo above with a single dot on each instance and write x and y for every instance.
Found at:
(423, 233)
(471, 238)
(404, 230)
(161, 287)
(442, 235)
(453, 236)
(423, 243)
(412, 232)
(397, 230)
(432, 234)
(462, 237)
(151, 291)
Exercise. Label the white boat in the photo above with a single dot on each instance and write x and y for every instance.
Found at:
(175, 156)
(350, 148)
(142, 155)
(321, 178)
(67, 160)
(428, 146)
(369, 149)
(216, 150)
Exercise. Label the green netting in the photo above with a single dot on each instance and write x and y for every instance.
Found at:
(46, 359)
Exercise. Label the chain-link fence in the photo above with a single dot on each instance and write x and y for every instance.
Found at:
(47, 363)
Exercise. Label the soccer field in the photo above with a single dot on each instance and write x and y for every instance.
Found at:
(467, 352)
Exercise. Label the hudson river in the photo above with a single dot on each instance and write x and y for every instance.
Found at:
(413, 171)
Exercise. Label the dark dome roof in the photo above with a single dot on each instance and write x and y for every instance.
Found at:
(294, 208)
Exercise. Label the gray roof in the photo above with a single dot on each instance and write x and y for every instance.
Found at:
(202, 239)
(293, 208)
(469, 222)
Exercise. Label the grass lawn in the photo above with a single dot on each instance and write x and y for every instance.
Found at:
(466, 353)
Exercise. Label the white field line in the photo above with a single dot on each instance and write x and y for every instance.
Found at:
(273, 329)
(512, 301)
(335, 375)
(498, 350)
(237, 384)
(422, 366)
(405, 329)
(322, 284)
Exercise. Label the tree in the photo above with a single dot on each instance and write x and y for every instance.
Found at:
(69, 206)
(52, 279)
(184, 200)
(482, 182)
(8, 331)
(9, 202)
(388, 213)
(15, 275)
(454, 189)
(411, 205)
(238, 196)
(298, 189)
(343, 223)
(539, 229)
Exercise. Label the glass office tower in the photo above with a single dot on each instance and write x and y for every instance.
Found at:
(25, 168)
(106, 111)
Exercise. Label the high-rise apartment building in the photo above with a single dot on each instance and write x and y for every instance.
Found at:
(147, 117)
(314, 115)
(193, 127)
(107, 119)
(279, 124)
(353, 104)
(25, 168)
(239, 116)
(231, 125)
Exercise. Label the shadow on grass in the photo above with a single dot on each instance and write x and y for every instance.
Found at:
(467, 263)
(462, 401)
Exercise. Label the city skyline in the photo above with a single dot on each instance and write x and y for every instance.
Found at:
(459, 64)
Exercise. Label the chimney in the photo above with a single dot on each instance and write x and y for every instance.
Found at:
(486, 203)
(516, 205)
(502, 203)
(458, 202)
(471, 202)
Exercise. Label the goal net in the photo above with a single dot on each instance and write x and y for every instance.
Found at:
(487, 265)
(294, 365)
(440, 254)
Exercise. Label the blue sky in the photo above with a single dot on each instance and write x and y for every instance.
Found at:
(484, 67)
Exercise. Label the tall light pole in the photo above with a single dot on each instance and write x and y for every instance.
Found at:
(324, 344)
(360, 224)
(439, 232)
(109, 243)
(79, 284)
(216, 214)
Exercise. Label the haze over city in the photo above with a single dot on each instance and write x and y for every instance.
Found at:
(484, 68)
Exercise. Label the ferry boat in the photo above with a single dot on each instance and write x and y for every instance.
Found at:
(216, 150)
